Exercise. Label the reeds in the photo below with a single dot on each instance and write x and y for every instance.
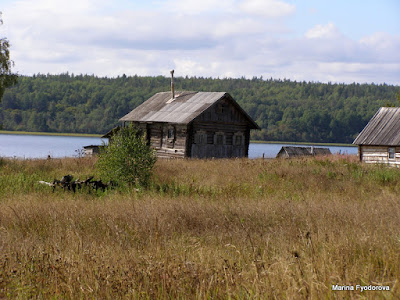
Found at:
(204, 229)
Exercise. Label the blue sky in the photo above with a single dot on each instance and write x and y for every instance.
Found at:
(325, 41)
(354, 18)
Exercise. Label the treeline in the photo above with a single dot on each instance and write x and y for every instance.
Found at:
(285, 110)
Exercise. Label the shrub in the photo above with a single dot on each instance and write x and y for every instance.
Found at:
(127, 159)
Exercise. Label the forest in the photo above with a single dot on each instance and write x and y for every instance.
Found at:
(285, 110)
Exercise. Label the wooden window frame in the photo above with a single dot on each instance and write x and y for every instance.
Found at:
(220, 108)
(200, 137)
(171, 137)
(171, 133)
(216, 137)
(391, 152)
(234, 141)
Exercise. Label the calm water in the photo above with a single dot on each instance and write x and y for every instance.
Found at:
(40, 146)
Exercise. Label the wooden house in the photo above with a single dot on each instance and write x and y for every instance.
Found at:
(193, 124)
(290, 151)
(379, 141)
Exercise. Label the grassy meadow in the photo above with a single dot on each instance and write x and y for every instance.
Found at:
(214, 229)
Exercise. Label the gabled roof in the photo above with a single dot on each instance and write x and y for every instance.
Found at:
(182, 110)
(292, 151)
(382, 130)
(321, 151)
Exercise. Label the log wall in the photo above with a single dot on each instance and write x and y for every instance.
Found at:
(220, 140)
(379, 154)
(222, 131)
(167, 143)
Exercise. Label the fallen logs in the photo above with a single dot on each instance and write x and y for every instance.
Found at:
(67, 183)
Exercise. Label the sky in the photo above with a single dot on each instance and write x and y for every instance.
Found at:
(341, 41)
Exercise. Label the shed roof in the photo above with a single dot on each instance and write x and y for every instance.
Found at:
(382, 130)
(182, 110)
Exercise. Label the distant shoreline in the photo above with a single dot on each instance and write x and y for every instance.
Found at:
(99, 136)
(50, 133)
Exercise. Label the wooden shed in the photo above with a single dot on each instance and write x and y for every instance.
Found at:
(193, 124)
(379, 141)
(291, 151)
(92, 150)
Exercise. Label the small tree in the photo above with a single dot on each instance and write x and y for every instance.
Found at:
(127, 159)
(7, 78)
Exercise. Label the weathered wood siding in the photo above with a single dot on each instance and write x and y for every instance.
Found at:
(155, 135)
(222, 111)
(168, 144)
(379, 155)
(173, 145)
(221, 131)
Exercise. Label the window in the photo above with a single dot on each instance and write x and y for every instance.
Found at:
(171, 133)
(200, 137)
(391, 152)
(219, 138)
(238, 140)
(220, 108)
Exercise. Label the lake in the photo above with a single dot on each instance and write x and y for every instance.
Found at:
(40, 146)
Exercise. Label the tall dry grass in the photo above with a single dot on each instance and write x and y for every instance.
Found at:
(205, 229)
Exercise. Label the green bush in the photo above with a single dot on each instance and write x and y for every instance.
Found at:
(127, 159)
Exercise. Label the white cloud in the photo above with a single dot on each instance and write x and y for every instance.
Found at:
(382, 41)
(267, 8)
(193, 67)
(239, 28)
(329, 31)
(195, 38)
(192, 7)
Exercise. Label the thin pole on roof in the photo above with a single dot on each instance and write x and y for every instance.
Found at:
(172, 84)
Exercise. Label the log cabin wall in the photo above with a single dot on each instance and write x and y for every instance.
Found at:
(169, 140)
(220, 131)
(173, 141)
(380, 155)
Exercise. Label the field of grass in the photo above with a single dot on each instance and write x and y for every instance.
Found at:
(215, 229)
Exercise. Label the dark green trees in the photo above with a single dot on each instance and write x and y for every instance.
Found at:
(285, 110)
